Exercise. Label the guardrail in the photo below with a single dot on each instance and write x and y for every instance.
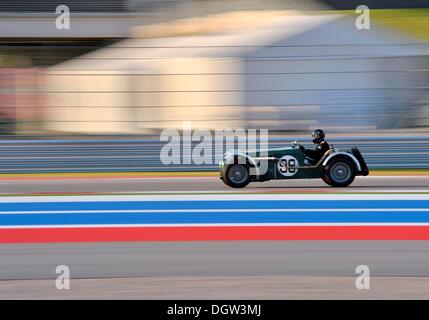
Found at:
(120, 155)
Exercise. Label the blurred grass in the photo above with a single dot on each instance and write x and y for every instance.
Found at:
(399, 172)
(414, 22)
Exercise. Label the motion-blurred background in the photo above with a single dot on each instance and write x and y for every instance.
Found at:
(96, 96)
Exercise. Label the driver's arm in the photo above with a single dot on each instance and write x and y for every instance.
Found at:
(313, 154)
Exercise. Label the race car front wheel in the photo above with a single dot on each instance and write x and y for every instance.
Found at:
(339, 173)
(237, 176)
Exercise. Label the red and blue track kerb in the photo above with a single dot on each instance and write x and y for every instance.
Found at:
(214, 218)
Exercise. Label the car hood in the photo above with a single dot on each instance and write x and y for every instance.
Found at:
(259, 153)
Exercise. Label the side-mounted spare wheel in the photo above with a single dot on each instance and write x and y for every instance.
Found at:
(339, 172)
(237, 176)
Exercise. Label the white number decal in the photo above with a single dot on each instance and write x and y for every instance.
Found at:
(287, 166)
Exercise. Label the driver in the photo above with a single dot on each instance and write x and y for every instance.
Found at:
(322, 146)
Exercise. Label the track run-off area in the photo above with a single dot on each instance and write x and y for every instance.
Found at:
(218, 245)
(215, 217)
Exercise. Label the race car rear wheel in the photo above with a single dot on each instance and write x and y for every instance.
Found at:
(339, 172)
(237, 176)
(327, 180)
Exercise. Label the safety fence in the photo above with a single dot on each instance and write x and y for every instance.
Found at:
(142, 154)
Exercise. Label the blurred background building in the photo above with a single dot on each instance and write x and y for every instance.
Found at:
(136, 67)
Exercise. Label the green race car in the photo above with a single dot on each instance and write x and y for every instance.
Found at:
(336, 168)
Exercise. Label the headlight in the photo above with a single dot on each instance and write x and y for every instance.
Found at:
(221, 165)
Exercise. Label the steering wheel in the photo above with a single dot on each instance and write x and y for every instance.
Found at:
(295, 144)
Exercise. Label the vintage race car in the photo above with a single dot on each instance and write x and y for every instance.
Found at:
(336, 168)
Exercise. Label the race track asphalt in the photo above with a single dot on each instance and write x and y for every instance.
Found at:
(204, 184)
(217, 270)
(219, 258)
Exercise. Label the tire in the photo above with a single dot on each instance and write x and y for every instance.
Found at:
(237, 176)
(327, 180)
(339, 172)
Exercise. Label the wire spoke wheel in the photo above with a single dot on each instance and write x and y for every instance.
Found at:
(238, 176)
(340, 172)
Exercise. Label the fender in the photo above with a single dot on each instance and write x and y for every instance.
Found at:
(243, 155)
(332, 155)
